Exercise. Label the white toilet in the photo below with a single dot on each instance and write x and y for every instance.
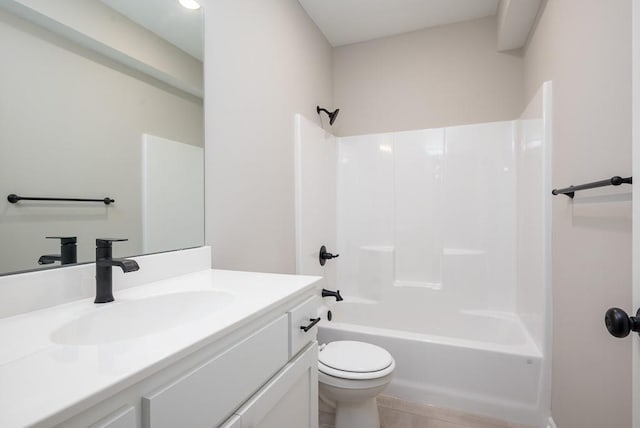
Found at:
(351, 374)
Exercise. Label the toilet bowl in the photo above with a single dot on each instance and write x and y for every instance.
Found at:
(350, 375)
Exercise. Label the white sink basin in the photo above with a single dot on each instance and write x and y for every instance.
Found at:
(128, 319)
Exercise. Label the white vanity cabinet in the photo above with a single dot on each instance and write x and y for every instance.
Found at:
(262, 375)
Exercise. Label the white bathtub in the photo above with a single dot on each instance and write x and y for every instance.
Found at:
(474, 361)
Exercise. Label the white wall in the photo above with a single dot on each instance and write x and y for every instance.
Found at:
(444, 76)
(265, 61)
(584, 47)
(71, 124)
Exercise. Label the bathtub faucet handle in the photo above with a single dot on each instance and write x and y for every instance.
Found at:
(329, 293)
(325, 255)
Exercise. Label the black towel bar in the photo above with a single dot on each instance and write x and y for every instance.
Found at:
(13, 198)
(613, 181)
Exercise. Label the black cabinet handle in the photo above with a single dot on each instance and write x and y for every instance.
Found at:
(314, 321)
(619, 324)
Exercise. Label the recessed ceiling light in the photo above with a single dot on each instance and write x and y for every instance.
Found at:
(190, 4)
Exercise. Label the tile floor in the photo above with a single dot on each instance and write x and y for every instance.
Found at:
(396, 413)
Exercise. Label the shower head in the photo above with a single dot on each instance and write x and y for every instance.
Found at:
(332, 115)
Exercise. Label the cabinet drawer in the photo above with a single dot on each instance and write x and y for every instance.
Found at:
(209, 394)
(302, 316)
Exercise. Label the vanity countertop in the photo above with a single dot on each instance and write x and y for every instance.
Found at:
(40, 377)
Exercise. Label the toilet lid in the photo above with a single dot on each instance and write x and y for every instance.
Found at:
(355, 357)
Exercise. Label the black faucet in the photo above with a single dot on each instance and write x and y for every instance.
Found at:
(68, 252)
(329, 293)
(104, 262)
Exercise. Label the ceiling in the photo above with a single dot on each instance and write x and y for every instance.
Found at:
(168, 19)
(351, 21)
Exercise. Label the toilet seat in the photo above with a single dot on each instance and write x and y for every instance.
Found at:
(348, 359)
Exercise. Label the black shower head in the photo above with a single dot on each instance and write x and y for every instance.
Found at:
(332, 115)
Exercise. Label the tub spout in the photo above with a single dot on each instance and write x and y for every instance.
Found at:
(329, 293)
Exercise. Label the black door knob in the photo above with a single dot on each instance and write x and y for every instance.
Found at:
(620, 324)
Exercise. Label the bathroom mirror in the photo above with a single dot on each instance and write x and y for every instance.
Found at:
(100, 99)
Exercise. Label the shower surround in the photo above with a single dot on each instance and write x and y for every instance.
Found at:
(431, 209)
(443, 237)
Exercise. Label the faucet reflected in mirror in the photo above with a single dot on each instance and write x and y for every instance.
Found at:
(104, 263)
(68, 252)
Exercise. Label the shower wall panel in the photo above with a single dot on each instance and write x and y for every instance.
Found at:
(479, 212)
(439, 205)
(315, 198)
(534, 204)
(365, 210)
(418, 234)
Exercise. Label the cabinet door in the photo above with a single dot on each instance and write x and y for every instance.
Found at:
(290, 399)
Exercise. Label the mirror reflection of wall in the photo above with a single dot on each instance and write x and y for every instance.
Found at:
(81, 84)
